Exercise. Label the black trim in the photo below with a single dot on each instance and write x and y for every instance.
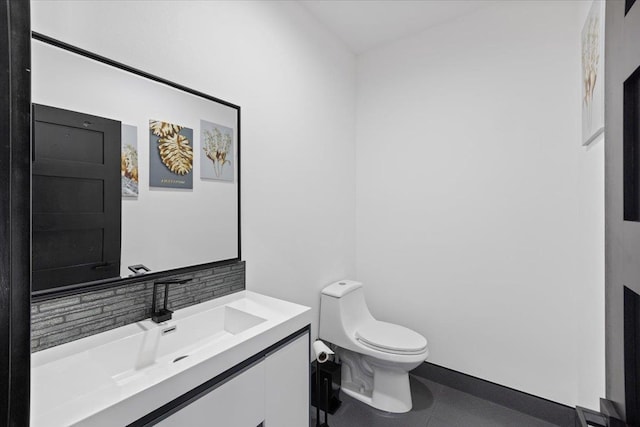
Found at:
(239, 168)
(309, 372)
(81, 288)
(79, 51)
(631, 306)
(628, 5)
(189, 397)
(102, 284)
(538, 407)
(15, 212)
(631, 147)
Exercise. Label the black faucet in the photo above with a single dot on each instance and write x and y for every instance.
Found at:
(163, 314)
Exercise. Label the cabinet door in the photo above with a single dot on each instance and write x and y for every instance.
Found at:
(239, 402)
(287, 385)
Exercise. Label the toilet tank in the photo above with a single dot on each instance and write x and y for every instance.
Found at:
(342, 309)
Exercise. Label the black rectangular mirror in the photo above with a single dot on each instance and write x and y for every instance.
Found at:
(175, 203)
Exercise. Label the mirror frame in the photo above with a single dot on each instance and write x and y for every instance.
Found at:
(114, 282)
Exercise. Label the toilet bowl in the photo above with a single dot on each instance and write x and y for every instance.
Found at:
(376, 356)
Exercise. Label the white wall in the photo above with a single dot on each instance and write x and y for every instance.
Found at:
(296, 86)
(479, 215)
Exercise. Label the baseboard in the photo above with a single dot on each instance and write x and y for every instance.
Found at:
(547, 410)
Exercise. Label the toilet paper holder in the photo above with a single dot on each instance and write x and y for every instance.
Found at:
(329, 374)
(326, 376)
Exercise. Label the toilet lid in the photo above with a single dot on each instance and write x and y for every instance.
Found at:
(391, 337)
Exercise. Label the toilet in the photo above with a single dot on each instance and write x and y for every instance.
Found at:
(376, 356)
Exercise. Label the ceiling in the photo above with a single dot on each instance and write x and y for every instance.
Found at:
(365, 24)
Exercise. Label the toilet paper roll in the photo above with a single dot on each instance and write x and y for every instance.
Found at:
(321, 351)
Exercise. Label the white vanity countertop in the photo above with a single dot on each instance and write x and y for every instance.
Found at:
(116, 377)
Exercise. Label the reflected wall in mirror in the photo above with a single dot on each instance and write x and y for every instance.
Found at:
(178, 161)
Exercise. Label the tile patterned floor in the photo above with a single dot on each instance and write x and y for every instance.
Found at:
(434, 405)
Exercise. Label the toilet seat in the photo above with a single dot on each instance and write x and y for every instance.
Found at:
(391, 338)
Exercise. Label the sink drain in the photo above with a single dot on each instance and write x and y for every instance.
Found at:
(177, 359)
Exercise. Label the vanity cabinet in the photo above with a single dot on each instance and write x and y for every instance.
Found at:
(273, 391)
(287, 385)
(238, 402)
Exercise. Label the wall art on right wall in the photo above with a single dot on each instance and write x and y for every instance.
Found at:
(593, 74)
(216, 158)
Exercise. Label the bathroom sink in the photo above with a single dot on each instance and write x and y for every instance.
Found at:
(172, 341)
(103, 376)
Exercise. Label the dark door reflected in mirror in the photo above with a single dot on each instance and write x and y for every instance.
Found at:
(76, 198)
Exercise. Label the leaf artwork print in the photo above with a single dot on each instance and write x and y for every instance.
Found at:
(176, 153)
(163, 129)
(175, 150)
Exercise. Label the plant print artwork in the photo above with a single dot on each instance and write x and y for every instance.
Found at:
(592, 74)
(216, 159)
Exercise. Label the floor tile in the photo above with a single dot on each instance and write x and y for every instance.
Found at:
(458, 409)
(354, 413)
(437, 422)
(434, 405)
